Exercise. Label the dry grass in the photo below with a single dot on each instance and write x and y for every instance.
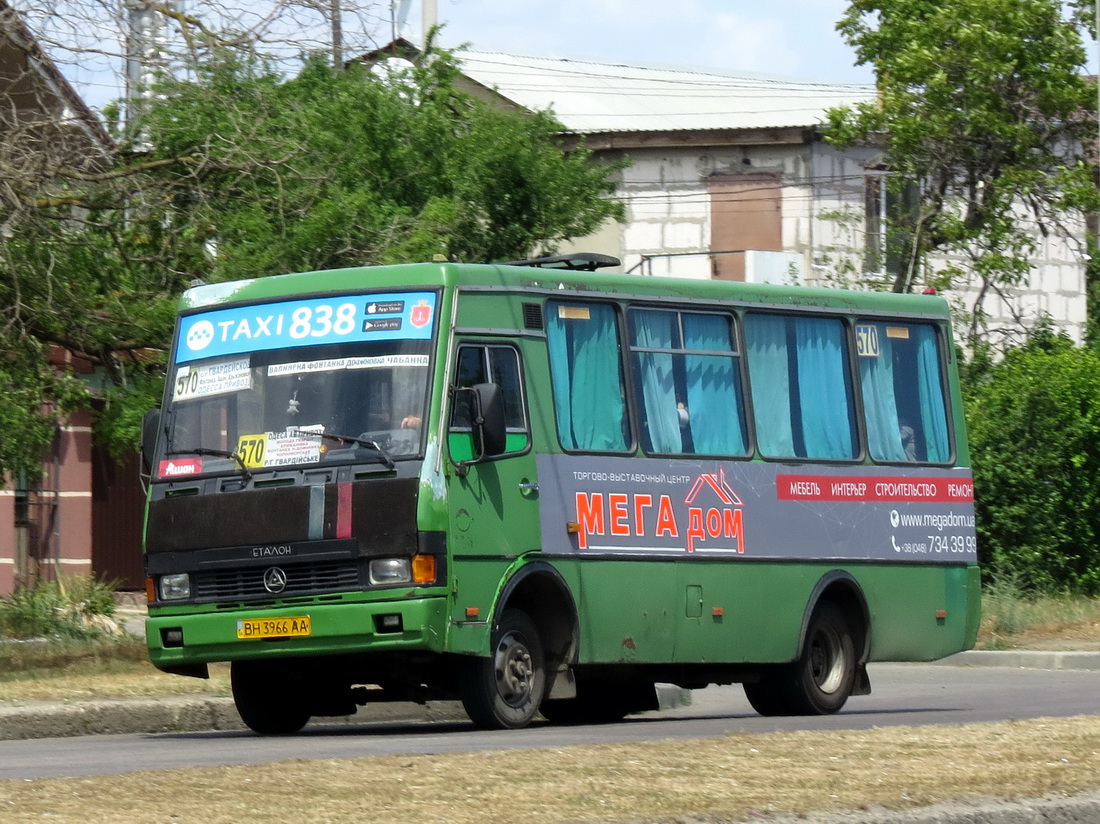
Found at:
(1013, 620)
(139, 680)
(730, 778)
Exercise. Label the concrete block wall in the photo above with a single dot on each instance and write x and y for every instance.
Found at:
(668, 211)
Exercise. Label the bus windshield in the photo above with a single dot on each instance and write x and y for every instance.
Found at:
(297, 383)
(291, 407)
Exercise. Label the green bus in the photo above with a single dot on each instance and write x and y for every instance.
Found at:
(539, 488)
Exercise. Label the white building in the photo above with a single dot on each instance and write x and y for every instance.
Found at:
(729, 177)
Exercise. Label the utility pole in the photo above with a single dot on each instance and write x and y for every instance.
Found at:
(146, 54)
(429, 13)
(337, 35)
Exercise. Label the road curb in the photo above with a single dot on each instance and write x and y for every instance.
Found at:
(184, 714)
(1026, 659)
(204, 714)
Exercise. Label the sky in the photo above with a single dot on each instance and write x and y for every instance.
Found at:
(791, 38)
(794, 39)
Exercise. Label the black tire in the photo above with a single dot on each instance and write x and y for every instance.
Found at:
(267, 700)
(505, 690)
(820, 681)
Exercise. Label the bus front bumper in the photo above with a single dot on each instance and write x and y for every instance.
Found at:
(180, 641)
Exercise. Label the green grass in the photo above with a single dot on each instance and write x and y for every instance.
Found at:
(68, 608)
(1013, 617)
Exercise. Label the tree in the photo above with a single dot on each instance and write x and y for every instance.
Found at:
(357, 167)
(1035, 443)
(236, 170)
(983, 105)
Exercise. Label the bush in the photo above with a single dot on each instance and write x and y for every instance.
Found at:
(1034, 421)
(66, 608)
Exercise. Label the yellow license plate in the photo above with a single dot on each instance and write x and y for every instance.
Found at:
(259, 628)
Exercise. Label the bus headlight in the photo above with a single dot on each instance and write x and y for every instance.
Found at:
(390, 571)
(175, 587)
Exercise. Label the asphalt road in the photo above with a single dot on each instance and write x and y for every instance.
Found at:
(903, 694)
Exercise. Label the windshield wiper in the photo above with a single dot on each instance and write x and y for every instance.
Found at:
(217, 453)
(377, 447)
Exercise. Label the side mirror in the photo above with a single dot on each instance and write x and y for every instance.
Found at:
(488, 414)
(150, 428)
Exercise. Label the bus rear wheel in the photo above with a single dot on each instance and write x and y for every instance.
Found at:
(267, 699)
(504, 690)
(820, 681)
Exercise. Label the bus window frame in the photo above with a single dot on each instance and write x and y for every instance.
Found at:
(942, 357)
(851, 369)
(736, 354)
(452, 405)
(632, 443)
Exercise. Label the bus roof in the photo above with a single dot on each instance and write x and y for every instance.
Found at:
(459, 275)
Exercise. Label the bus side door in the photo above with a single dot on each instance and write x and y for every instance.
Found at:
(492, 500)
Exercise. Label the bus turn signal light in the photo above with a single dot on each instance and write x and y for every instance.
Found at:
(423, 569)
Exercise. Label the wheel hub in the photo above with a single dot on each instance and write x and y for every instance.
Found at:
(514, 671)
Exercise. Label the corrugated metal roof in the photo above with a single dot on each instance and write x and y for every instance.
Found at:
(591, 97)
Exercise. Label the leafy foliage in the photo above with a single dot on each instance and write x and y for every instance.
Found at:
(981, 102)
(72, 608)
(357, 167)
(1034, 421)
(239, 172)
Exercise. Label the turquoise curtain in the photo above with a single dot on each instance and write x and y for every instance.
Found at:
(585, 371)
(880, 405)
(933, 409)
(657, 330)
(713, 388)
(825, 402)
(766, 341)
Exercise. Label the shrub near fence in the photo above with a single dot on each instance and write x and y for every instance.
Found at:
(70, 608)
(1034, 423)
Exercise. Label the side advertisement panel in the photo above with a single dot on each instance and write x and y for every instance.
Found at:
(602, 505)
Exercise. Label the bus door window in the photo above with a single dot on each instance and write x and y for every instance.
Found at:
(801, 387)
(488, 364)
(903, 398)
(687, 383)
(587, 376)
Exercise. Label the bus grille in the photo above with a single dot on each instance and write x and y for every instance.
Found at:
(301, 579)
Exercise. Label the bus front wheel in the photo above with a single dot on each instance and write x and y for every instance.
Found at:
(267, 700)
(820, 680)
(504, 690)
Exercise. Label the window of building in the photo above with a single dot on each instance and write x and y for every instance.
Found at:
(888, 217)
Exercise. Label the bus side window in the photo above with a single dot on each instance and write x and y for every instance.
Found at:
(487, 364)
(801, 386)
(587, 376)
(903, 396)
(688, 383)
